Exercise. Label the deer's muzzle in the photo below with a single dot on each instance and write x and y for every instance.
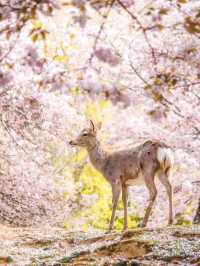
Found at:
(72, 143)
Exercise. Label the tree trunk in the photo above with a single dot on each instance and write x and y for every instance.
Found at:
(197, 216)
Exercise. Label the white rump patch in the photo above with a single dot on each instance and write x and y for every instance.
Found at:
(165, 156)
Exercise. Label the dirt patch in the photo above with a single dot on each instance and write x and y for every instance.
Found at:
(56, 246)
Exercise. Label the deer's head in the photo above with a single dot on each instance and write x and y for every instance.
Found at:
(87, 137)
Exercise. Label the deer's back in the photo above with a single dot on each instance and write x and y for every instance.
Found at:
(126, 164)
(122, 163)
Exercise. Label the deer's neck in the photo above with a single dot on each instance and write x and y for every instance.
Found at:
(97, 156)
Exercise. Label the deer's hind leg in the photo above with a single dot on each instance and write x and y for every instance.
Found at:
(149, 181)
(116, 190)
(125, 203)
(164, 179)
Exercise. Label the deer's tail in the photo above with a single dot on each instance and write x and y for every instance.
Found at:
(165, 157)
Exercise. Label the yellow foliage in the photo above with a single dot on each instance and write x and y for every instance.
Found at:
(37, 24)
(189, 209)
(75, 90)
(182, 219)
(61, 58)
(94, 109)
(79, 156)
(65, 195)
(66, 225)
(93, 182)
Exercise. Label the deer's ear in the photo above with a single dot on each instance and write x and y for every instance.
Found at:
(92, 126)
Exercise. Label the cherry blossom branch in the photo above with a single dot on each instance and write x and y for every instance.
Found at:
(105, 17)
(166, 101)
(134, 17)
(11, 48)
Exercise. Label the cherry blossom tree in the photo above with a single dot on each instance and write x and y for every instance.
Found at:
(140, 58)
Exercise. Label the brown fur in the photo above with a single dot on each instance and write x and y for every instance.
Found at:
(128, 167)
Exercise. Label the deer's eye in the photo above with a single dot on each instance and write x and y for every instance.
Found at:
(85, 134)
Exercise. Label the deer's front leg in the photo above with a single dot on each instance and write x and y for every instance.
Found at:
(153, 193)
(125, 201)
(116, 190)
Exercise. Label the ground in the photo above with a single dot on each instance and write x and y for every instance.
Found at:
(56, 246)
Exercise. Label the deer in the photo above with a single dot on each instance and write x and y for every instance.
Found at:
(133, 166)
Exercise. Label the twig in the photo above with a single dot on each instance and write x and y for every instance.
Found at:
(166, 101)
(138, 74)
(10, 48)
(105, 17)
(141, 27)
